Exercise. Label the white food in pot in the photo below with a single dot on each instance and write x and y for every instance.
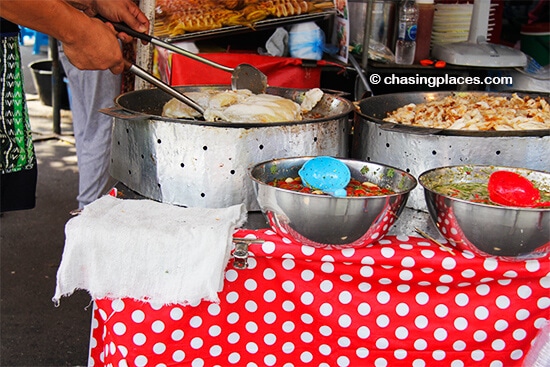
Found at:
(243, 106)
(257, 108)
(177, 109)
(476, 112)
(311, 98)
(227, 98)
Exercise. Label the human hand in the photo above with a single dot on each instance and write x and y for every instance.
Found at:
(122, 11)
(89, 43)
(96, 48)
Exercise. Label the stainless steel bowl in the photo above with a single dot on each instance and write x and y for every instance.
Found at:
(418, 149)
(509, 233)
(326, 221)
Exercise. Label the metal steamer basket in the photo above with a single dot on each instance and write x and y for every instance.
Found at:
(418, 149)
(205, 164)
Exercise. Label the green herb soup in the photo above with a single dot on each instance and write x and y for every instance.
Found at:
(474, 192)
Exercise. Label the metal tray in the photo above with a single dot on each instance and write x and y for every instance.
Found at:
(261, 25)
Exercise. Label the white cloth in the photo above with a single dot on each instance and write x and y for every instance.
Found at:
(277, 44)
(146, 250)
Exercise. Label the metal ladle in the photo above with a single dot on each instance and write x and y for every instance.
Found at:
(243, 76)
(163, 86)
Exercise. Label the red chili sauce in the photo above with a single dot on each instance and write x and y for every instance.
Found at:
(354, 188)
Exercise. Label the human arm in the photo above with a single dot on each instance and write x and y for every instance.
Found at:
(88, 42)
(122, 11)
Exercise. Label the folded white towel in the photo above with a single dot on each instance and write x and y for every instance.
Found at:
(147, 251)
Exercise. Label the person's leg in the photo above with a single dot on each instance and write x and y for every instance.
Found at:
(17, 160)
(18, 190)
(90, 92)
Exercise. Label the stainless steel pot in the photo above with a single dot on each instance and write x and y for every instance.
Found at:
(205, 164)
(417, 149)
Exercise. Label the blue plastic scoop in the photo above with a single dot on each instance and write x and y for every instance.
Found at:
(327, 174)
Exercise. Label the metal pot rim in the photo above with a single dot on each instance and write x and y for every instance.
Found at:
(401, 99)
(348, 161)
(425, 178)
(346, 110)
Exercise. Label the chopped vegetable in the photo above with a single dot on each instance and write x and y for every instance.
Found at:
(355, 188)
(473, 192)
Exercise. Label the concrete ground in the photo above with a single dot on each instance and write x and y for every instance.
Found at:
(33, 332)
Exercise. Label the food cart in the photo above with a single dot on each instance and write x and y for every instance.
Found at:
(400, 300)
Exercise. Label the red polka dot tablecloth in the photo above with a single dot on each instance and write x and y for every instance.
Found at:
(402, 301)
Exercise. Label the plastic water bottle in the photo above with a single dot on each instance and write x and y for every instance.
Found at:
(405, 46)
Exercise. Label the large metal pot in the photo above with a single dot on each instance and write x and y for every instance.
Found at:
(205, 164)
(417, 149)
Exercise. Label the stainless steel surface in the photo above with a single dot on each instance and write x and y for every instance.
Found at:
(409, 219)
(326, 221)
(258, 26)
(505, 232)
(205, 164)
(416, 150)
(361, 76)
(189, 54)
(382, 21)
(246, 76)
(166, 88)
(240, 254)
(243, 76)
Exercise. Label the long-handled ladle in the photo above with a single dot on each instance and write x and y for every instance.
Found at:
(165, 87)
(243, 76)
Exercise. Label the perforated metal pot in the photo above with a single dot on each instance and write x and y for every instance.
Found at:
(417, 149)
(205, 164)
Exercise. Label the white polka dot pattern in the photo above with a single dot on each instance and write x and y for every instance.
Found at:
(401, 301)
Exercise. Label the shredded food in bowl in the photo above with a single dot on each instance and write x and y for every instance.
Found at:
(477, 112)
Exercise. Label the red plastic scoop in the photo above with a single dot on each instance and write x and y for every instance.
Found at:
(512, 189)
